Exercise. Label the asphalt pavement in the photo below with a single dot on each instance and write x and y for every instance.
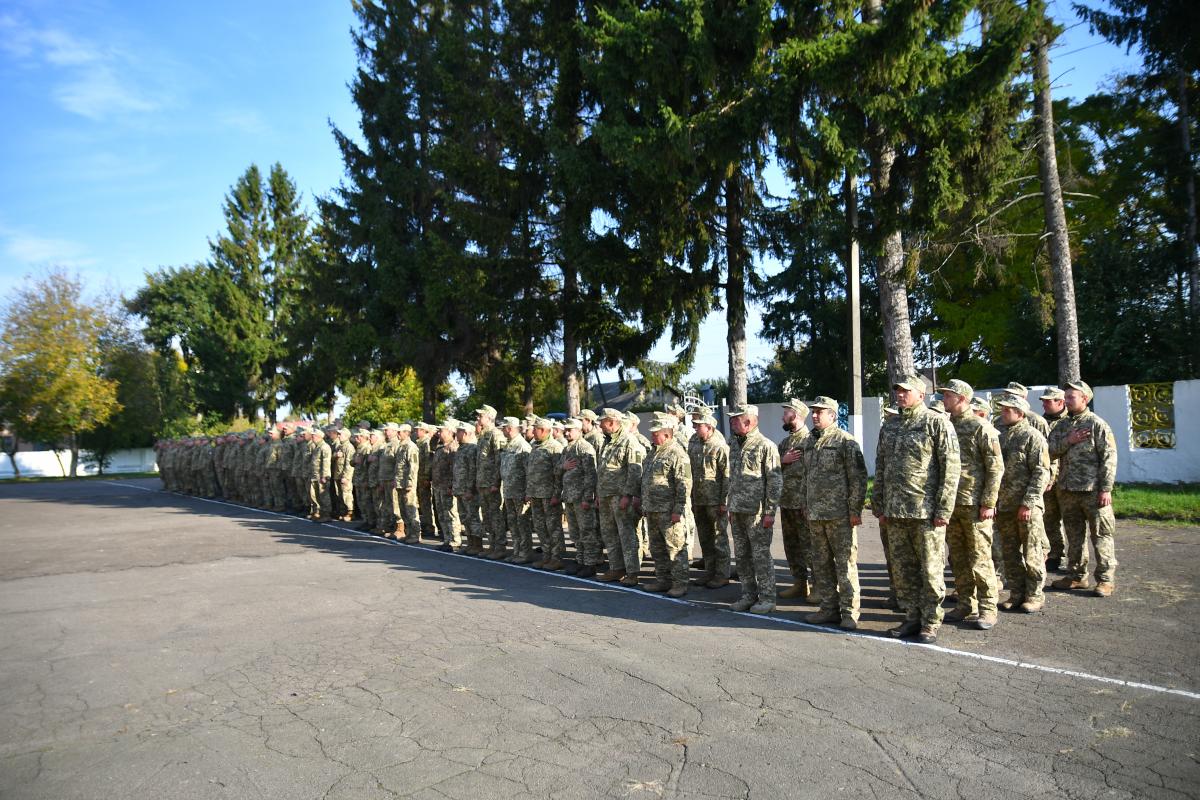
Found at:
(159, 646)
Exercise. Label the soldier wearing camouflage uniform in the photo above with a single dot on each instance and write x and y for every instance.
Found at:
(1084, 446)
(916, 483)
(404, 478)
(887, 429)
(512, 489)
(360, 440)
(969, 534)
(543, 492)
(662, 499)
(1053, 411)
(797, 545)
(491, 443)
(618, 476)
(755, 484)
(319, 462)
(578, 460)
(424, 435)
(441, 476)
(371, 509)
(342, 480)
(591, 429)
(1019, 510)
(466, 463)
(386, 506)
(300, 467)
(708, 455)
(834, 492)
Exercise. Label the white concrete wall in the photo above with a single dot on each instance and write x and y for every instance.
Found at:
(42, 463)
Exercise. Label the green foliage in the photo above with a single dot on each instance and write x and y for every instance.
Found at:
(541, 384)
(389, 397)
(52, 386)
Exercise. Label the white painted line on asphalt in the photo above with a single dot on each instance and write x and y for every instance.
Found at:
(870, 637)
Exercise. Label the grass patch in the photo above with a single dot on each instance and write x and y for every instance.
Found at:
(116, 476)
(1175, 502)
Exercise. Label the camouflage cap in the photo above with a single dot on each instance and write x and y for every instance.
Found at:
(959, 387)
(428, 427)
(798, 406)
(466, 427)
(629, 416)
(318, 432)
(738, 411)
(701, 410)
(510, 422)
(542, 422)
(662, 424)
(364, 424)
(450, 424)
(1014, 401)
(1017, 389)
(890, 411)
(825, 402)
(573, 424)
(981, 404)
(1052, 393)
(913, 383)
(389, 426)
(707, 419)
(937, 406)
(1080, 386)
(404, 427)
(612, 413)
(558, 425)
(486, 409)
(589, 415)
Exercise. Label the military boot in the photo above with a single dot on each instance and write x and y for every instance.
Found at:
(904, 629)
(1104, 589)
(659, 585)
(678, 590)
(717, 583)
(554, 565)
(798, 590)
(743, 604)
(822, 617)
(611, 575)
(762, 607)
(1033, 605)
(586, 571)
(1068, 583)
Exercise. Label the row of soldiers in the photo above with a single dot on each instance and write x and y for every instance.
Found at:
(944, 476)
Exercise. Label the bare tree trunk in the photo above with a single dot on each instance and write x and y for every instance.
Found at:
(893, 288)
(74, 456)
(735, 289)
(1065, 319)
(1193, 255)
(570, 342)
(854, 400)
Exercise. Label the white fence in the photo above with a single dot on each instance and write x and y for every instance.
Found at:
(43, 464)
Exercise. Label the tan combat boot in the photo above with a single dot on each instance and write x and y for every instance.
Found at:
(798, 590)
(1104, 589)
(1068, 583)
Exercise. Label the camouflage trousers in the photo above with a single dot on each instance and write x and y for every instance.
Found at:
(278, 490)
(668, 548)
(752, 549)
(343, 497)
(1024, 545)
(300, 488)
(366, 505)
(493, 518)
(406, 505)
(318, 498)
(547, 525)
(713, 531)
(468, 514)
(797, 543)
(619, 530)
(835, 565)
(519, 526)
(969, 540)
(383, 498)
(1082, 515)
(1052, 519)
(449, 524)
(425, 506)
(918, 555)
(887, 560)
(585, 533)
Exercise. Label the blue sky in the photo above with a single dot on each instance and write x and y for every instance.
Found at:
(128, 122)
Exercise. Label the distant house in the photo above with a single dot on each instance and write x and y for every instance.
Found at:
(622, 397)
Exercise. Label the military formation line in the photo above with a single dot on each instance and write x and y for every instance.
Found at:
(1009, 501)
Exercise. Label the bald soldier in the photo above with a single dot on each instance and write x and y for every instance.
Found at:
(755, 484)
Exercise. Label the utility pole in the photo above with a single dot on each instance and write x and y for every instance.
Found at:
(853, 301)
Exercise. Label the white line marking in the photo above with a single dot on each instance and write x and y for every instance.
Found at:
(1008, 662)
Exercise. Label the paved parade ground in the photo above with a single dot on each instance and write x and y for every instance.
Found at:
(159, 646)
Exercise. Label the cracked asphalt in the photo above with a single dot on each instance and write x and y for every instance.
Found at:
(157, 646)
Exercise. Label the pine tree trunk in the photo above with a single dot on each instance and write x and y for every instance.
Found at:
(570, 343)
(1193, 255)
(429, 400)
(735, 289)
(893, 288)
(1065, 319)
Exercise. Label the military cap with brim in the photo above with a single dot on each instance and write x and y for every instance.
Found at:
(589, 415)
(660, 424)
(486, 409)
(542, 422)
(1052, 393)
(558, 425)
(707, 419)
(510, 422)
(466, 427)
(573, 424)
(959, 387)
(428, 427)
(390, 426)
(980, 403)
(1018, 389)
(1080, 386)
(612, 413)
(891, 411)
(738, 411)
(1014, 401)
(450, 424)
(824, 402)
(913, 383)
(938, 406)
(797, 405)
(404, 426)
(364, 424)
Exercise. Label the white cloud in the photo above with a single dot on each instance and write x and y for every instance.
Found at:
(91, 80)
(25, 250)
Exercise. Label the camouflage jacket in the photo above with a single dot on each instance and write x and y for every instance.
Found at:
(1026, 467)
(792, 495)
(1054, 462)
(441, 467)
(359, 462)
(917, 467)
(408, 464)
(980, 462)
(466, 462)
(304, 454)
(319, 459)
(425, 458)
(619, 466)
(835, 475)
(710, 470)
(579, 484)
(541, 469)
(491, 443)
(595, 437)
(287, 453)
(755, 478)
(1037, 421)
(373, 453)
(387, 461)
(343, 458)
(1090, 465)
(512, 468)
(666, 481)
